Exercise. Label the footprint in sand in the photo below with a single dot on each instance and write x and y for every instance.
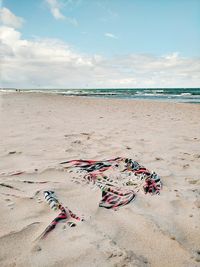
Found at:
(80, 139)
(115, 255)
(88, 135)
(36, 248)
(78, 142)
(10, 203)
(158, 158)
(186, 166)
(197, 203)
(192, 181)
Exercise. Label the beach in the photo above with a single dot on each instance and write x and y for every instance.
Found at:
(38, 131)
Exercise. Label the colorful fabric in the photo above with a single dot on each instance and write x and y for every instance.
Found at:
(51, 199)
(64, 215)
(113, 176)
(61, 216)
(113, 197)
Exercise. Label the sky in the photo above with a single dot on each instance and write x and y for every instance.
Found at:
(100, 43)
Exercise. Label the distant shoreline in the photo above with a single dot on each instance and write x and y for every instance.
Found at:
(177, 95)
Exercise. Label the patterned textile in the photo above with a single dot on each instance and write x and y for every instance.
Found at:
(113, 176)
(64, 215)
(113, 197)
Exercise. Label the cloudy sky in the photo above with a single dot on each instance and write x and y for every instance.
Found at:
(100, 43)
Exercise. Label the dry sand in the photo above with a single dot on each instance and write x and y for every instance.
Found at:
(39, 130)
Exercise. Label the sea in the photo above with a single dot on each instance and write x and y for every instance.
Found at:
(184, 95)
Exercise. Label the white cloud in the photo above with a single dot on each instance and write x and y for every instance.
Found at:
(44, 62)
(8, 18)
(110, 35)
(56, 13)
(55, 8)
(47, 63)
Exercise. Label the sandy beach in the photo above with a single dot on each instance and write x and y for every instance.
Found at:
(38, 131)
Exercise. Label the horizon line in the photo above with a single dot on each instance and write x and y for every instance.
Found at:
(92, 88)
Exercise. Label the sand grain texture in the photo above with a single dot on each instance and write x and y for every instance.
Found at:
(40, 130)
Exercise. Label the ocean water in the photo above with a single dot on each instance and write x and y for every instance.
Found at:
(186, 95)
